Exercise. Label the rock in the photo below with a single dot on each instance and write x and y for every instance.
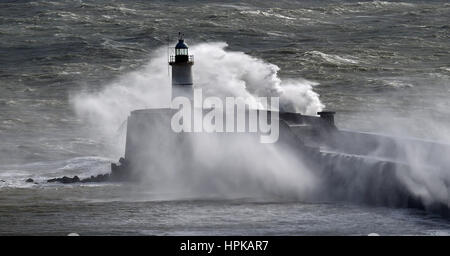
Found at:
(65, 180)
(29, 180)
(98, 178)
(68, 180)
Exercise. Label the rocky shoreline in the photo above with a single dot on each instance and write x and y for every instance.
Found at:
(118, 173)
(75, 179)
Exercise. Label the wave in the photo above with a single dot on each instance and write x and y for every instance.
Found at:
(217, 71)
(269, 13)
(333, 59)
(382, 4)
(350, 8)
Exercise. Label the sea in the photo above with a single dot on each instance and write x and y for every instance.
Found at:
(72, 70)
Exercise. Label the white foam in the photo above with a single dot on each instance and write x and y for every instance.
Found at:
(334, 59)
(268, 14)
(217, 71)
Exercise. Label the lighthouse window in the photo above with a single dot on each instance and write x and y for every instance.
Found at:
(181, 51)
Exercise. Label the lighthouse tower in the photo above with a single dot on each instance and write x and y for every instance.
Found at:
(181, 64)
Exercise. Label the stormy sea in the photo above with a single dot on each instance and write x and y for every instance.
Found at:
(72, 70)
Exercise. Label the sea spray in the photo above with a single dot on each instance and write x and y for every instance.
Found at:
(224, 73)
(238, 166)
(241, 167)
(218, 72)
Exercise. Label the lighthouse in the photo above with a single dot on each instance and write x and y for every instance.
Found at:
(181, 63)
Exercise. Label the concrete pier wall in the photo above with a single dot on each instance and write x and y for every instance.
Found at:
(352, 166)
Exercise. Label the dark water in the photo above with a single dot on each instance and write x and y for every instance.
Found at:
(383, 66)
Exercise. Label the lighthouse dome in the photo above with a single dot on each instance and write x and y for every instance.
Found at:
(181, 44)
